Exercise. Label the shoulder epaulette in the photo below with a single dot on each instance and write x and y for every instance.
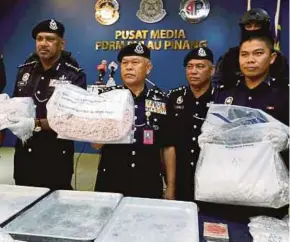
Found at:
(73, 67)
(156, 91)
(181, 89)
(27, 64)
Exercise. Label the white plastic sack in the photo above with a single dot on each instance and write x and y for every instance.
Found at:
(15, 108)
(267, 229)
(239, 161)
(77, 114)
(248, 175)
(230, 124)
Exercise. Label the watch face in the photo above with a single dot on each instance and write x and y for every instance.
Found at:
(37, 129)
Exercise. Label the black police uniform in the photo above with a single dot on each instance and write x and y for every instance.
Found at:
(271, 96)
(228, 71)
(44, 160)
(2, 74)
(187, 114)
(136, 169)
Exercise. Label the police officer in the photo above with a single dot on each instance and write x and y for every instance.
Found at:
(188, 106)
(44, 160)
(136, 169)
(2, 86)
(227, 68)
(257, 89)
(2, 74)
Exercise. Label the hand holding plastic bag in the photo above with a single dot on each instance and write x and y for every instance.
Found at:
(22, 127)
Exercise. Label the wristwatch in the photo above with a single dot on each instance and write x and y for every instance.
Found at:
(37, 127)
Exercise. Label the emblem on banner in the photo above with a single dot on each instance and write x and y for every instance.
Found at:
(107, 11)
(151, 11)
(194, 11)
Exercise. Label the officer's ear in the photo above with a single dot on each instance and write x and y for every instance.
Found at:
(273, 57)
(212, 70)
(62, 44)
(149, 67)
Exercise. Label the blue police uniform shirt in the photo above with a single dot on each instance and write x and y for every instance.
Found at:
(270, 96)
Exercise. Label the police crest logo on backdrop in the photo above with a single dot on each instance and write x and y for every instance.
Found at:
(107, 11)
(151, 11)
(194, 11)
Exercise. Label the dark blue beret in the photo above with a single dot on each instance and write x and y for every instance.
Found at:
(134, 50)
(49, 26)
(200, 53)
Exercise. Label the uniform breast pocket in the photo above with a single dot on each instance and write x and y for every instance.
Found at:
(50, 91)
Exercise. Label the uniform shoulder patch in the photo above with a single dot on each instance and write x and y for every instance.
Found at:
(77, 69)
(28, 64)
(181, 91)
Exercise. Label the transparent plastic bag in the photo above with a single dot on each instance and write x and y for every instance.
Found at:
(76, 114)
(239, 162)
(267, 229)
(13, 110)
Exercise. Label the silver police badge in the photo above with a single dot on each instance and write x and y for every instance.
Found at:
(151, 11)
(229, 100)
(53, 25)
(194, 11)
(25, 77)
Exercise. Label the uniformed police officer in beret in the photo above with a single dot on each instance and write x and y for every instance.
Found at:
(254, 21)
(136, 169)
(256, 89)
(2, 86)
(188, 106)
(44, 160)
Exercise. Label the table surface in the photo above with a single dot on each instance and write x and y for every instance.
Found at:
(238, 231)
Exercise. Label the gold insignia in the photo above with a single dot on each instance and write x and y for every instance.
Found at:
(107, 11)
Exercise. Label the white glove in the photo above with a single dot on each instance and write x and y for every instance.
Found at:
(22, 127)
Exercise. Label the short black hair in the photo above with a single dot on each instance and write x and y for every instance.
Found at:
(266, 39)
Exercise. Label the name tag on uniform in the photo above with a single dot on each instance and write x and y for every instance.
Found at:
(148, 137)
(155, 106)
(55, 82)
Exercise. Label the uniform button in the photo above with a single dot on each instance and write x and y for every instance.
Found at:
(193, 138)
(42, 78)
(38, 92)
(63, 151)
(196, 115)
(136, 106)
(133, 165)
(135, 129)
(155, 120)
(104, 170)
(192, 151)
(250, 98)
(19, 89)
(194, 126)
(135, 117)
(197, 103)
(29, 149)
(191, 163)
(176, 114)
(134, 140)
(160, 174)
(34, 106)
(133, 152)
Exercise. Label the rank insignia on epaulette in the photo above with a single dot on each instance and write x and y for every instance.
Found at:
(229, 100)
(155, 106)
(156, 98)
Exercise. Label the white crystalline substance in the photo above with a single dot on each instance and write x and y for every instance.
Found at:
(17, 107)
(267, 229)
(79, 115)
